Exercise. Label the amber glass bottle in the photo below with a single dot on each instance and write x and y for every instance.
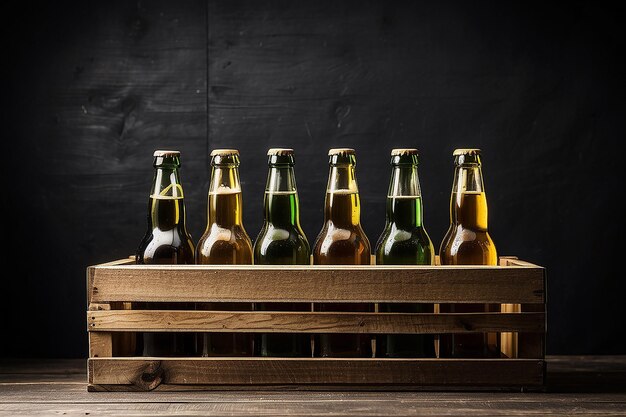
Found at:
(342, 241)
(225, 242)
(467, 242)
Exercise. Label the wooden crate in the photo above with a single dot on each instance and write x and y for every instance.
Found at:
(512, 282)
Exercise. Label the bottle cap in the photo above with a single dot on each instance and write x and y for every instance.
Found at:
(280, 151)
(468, 151)
(341, 151)
(161, 152)
(224, 152)
(403, 151)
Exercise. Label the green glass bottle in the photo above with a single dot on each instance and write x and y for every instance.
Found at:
(404, 241)
(166, 242)
(282, 242)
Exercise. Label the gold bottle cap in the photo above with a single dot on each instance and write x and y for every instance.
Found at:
(341, 151)
(280, 151)
(468, 151)
(224, 152)
(161, 152)
(403, 151)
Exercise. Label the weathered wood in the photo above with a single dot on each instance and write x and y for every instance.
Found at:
(324, 408)
(124, 344)
(577, 385)
(514, 261)
(305, 371)
(427, 284)
(532, 345)
(100, 344)
(122, 285)
(308, 322)
(99, 307)
(89, 275)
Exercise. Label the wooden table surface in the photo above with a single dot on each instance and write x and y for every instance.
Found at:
(577, 385)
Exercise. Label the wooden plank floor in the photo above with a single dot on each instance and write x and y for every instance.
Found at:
(577, 385)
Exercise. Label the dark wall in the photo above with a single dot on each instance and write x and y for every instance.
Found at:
(95, 87)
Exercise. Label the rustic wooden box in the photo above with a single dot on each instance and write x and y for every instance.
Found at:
(512, 282)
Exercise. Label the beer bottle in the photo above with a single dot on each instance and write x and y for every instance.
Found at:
(225, 242)
(467, 242)
(282, 242)
(166, 242)
(342, 241)
(404, 241)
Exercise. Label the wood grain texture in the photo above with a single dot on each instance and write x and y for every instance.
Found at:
(576, 385)
(288, 322)
(307, 371)
(200, 283)
(100, 345)
(532, 345)
(103, 306)
(320, 408)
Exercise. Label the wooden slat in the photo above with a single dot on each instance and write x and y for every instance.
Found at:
(426, 284)
(125, 261)
(333, 406)
(90, 272)
(89, 275)
(151, 373)
(587, 385)
(532, 345)
(287, 322)
(99, 306)
(100, 344)
(513, 261)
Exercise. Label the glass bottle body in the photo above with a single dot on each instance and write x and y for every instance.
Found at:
(166, 242)
(281, 241)
(342, 241)
(225, 242)
(404, 241)
(467, 242)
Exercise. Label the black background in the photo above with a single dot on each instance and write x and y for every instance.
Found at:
(94, 87)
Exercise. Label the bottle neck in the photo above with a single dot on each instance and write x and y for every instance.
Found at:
(343, 206)
(225, 206)
(167, 208)
(468, 203)
(404, 199)
(281, 205)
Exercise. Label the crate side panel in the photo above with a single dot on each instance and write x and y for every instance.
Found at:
(308, 322)
(316, 284)
(264, 371)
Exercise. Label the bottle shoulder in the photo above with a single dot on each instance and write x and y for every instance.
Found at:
(459, 232)
(332, 236)
(394, 231)
(282, 249)
(397, 246)
(166, 248)
(466, 246)
(233, 234)
(224, 246)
